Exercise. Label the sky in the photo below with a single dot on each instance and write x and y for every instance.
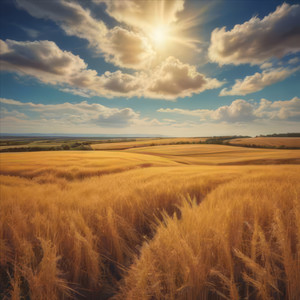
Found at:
(159, 67)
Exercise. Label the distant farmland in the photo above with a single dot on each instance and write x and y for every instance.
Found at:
(28, 144)
(57, 144)
(284, 142)
(146, 142)
(220, 154)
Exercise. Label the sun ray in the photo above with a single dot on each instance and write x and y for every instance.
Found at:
(168, 32)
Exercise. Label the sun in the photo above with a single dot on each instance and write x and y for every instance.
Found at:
(159, 35)
(169, 35)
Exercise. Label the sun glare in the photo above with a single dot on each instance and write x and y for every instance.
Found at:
(169, 33)
(160, 35)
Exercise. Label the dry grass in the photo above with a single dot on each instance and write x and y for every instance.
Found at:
(145, 143)
(73, 224)
(289, 142)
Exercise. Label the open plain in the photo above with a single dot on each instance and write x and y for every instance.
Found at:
(160, 222)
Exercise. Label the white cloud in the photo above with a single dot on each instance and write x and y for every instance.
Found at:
(45, 61)
(70, 16)
(78, 113)
(51, 65)
(281, 110)
(122, 84)
(293, 61)
(240, 117)
(128, 49)
(201, 113)
(266, 65)
(78, 92)
(4, 48)
(146, 18)
(140, 14)
(78, 117)
(170, 120)
(256, 41)
(117, 118)
(119, 46)
(129, 44)
(241, 111)
(258, 81)
(31, 32)
(238, 111)
(12, 113)
(173, 79)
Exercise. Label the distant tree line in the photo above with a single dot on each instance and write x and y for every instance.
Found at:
(262, 146)
(281, 135)
(223, 139)
(63, 147)
(12, 143)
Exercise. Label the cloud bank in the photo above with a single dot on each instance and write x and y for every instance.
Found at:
(236, 118)
(45, 61)
(241, 111)
(75, 113)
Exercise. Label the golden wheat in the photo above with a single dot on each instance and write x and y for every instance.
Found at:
(242, 242)
(73, 224)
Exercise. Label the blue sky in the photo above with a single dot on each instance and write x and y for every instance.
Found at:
(178, 68)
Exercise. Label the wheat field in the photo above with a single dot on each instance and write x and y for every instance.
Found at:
(289, 142)
(176, 222)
